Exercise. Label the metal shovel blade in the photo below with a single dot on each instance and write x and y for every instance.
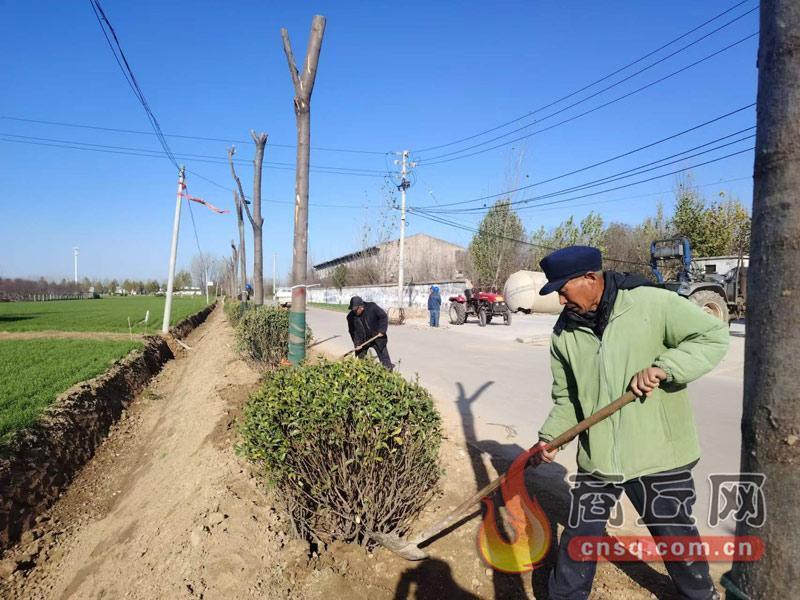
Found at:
(405, 548)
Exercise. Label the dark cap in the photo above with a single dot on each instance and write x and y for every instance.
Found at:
(565, 264)
(355, 302)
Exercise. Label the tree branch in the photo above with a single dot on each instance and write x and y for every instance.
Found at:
(260, 140)
(242, 197)
(287, 49)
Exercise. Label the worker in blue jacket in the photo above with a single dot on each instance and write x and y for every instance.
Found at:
(434, 305)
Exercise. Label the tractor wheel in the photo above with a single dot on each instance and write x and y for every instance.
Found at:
(458, 313)
(507, 317)
(482, 318)
(488, 317)
(712, 303)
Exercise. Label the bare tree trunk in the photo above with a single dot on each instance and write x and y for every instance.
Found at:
(260, 141)
(303, 87)
(234, 260)
(240, 201)
(771, 417)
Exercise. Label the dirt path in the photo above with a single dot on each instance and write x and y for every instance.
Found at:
(68, 335)
(166, 510)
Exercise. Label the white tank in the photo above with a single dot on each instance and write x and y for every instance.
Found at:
(522, 292)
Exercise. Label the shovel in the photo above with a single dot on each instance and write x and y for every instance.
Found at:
(410, 550)
(357, 348)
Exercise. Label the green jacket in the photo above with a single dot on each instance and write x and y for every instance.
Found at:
(648, 327)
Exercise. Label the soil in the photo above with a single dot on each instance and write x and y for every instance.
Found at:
(166, 509)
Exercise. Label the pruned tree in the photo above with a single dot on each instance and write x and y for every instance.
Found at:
(255, 218)
(303, 87)
(235, 289)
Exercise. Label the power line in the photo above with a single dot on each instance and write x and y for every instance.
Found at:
(109, 149)
(602, 162)
(465, 227)
(579, 115)
(186, 137)
(592, 84)
(627, 185)
(638, 170)
(122, 61)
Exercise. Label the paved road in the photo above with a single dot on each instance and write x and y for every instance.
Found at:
(497, 390)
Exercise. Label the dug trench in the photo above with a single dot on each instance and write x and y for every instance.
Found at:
(40, 461)
(166, 509)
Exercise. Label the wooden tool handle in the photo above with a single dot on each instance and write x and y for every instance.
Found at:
(559, 441)
(357, 348)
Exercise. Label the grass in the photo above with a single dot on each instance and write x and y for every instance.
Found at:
(336, 307)
(34, 372)
(105, 314)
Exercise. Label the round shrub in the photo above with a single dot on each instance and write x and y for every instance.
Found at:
(348, 447)
(262, 334)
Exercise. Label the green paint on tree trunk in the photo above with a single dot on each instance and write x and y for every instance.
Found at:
(297, 337)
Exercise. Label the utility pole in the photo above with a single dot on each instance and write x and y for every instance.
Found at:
(75, 260)
(274, 256)
(770, 442)
(303, 87)
(173, 254)
(403, 186)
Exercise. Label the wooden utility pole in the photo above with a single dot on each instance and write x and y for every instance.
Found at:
(303, 87)
(771, 416)
(260, 140)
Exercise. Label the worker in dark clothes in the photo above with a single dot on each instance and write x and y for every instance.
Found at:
(364, 321)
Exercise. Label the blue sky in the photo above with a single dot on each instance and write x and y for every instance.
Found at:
(391, 76)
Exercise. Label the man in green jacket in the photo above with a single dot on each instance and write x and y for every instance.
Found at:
(617, 332)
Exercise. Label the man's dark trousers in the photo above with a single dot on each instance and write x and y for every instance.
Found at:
(572, 580)
(380, 348)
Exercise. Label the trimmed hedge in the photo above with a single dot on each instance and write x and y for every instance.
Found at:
(262, 334)
(348, 447)
(234, 309)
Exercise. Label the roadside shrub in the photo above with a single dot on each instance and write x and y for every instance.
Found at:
(262, 334)
(348, 447)
(234, 309)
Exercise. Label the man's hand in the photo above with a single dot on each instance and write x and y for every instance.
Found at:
(646, 380)
(542, 455)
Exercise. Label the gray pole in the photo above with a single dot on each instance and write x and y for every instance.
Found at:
(303, 87)
(771, 415)
(75, 255)
(400, 257)
(173, 254)
(274, 255)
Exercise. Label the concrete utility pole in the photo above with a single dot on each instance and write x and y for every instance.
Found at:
(403, 186)
(274, 258)
(771, 416)
(303, 87)
(173, 254)
(75, 261)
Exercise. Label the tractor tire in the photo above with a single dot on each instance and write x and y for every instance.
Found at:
(489, 317)
(507, 318)
(482, 318)
(458, 313)
(712, 303)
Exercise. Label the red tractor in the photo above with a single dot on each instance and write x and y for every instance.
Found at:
(483, 305)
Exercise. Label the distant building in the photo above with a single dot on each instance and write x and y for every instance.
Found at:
(426, 258)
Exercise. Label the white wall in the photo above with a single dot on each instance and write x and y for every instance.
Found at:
(385, 295)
